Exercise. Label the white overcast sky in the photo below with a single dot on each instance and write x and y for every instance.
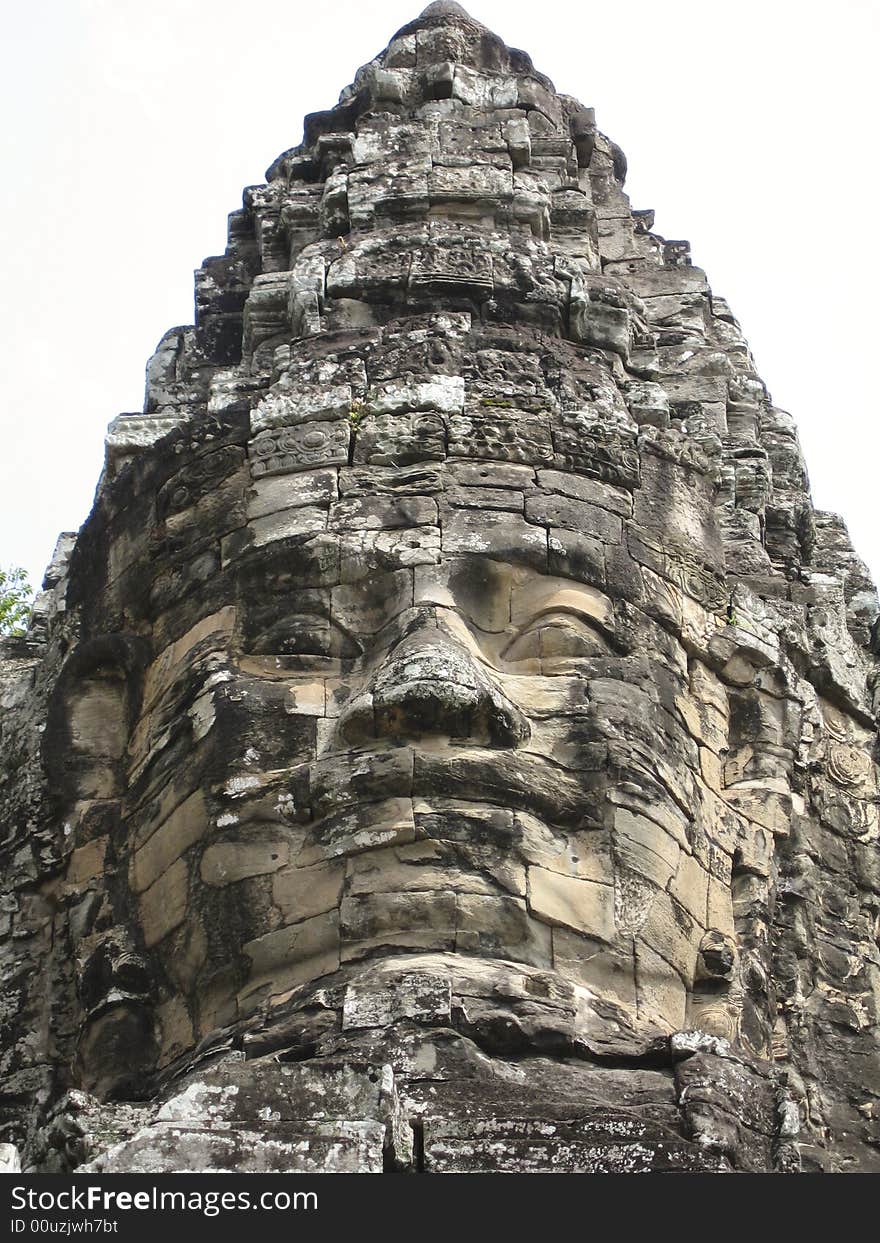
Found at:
(131, 126)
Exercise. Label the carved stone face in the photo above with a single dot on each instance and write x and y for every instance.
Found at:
(447, 706)
(427, 643)
(453, 667)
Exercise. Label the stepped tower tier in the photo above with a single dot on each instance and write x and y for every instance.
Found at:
(450, 741)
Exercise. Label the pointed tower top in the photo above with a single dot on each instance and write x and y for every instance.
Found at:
(445, 8)
(443, 14)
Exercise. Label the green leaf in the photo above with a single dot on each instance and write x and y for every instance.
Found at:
(16, 596)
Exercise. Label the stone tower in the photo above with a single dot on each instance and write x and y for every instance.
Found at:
(449, 743)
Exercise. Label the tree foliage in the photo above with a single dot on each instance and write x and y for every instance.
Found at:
(15, 601)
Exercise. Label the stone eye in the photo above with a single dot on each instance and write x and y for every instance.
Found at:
(303, 636)
(556, 635)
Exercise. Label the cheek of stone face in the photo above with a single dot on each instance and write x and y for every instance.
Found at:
(261, 725)
(656, 864)
(213, 915)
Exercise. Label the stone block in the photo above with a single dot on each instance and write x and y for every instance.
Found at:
(661, 995)
(297, 952)
(302, 892)
(583, 905)
(162, 907)
(643, 846)
(414, 920)
(269, 1148)
(186, 824)
(225, 863)
(304, 447)
(593, 964)
(673, 934)
(690, 887)
(498, 535)
(500, 927)
(86, 863)
(280, 492)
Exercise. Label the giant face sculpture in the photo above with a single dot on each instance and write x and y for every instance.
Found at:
(453, 692)
(455, 624)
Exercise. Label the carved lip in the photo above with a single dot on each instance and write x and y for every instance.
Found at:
(518, 780)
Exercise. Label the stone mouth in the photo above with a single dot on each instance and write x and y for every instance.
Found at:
(514, 781)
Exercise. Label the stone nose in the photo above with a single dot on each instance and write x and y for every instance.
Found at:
(429, 685)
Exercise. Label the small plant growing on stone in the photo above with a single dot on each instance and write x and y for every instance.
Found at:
(356, 414)
(15, 601)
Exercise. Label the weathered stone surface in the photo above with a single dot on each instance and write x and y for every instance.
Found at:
(450, 742)
(263, 1148)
